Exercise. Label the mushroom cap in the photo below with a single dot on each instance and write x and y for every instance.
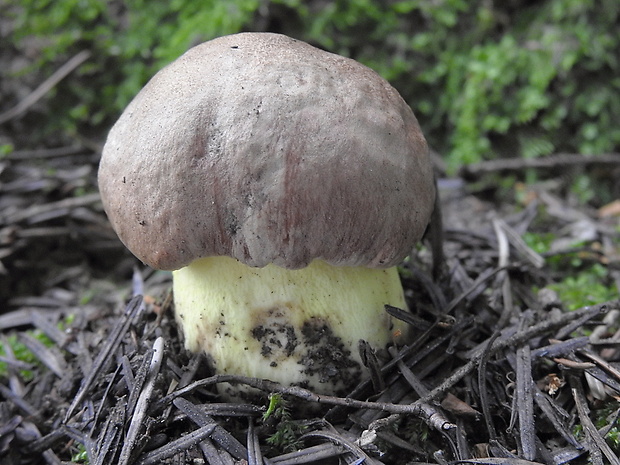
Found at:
(261, 147)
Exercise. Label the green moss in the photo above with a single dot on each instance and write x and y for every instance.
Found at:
(129, 43)
(287, 432)
(80, 455)
(601, 417)
(587, 287)
(583, 282)
(539, 242)
(485, 78)
(22, 354)
(6, 150)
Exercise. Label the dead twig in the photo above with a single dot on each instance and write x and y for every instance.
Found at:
(46, 86)
(218, 434)
(596, 443)
(139, 413)
(295, 391)
(516, 340)
(557, 416)
(105, 356)
(255, 456)
(313, 454)
(50, 357)
(549, 162)
(51, 208)
(482, 386)
(46, 153)
(525, 401)
(347, 445)
(176, 446)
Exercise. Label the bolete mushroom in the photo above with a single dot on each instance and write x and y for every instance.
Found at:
(283, 184)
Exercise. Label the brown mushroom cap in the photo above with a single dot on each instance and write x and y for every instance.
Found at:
(266, 149)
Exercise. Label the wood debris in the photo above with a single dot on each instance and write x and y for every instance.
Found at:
(497, 372)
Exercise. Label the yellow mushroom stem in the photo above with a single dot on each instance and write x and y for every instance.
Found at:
(296, 327)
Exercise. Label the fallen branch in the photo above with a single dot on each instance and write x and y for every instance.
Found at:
(549, 162)
(45, 87)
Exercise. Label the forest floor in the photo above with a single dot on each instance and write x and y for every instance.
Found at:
(514, 356)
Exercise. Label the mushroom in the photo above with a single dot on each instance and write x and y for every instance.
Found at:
(283, 184)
